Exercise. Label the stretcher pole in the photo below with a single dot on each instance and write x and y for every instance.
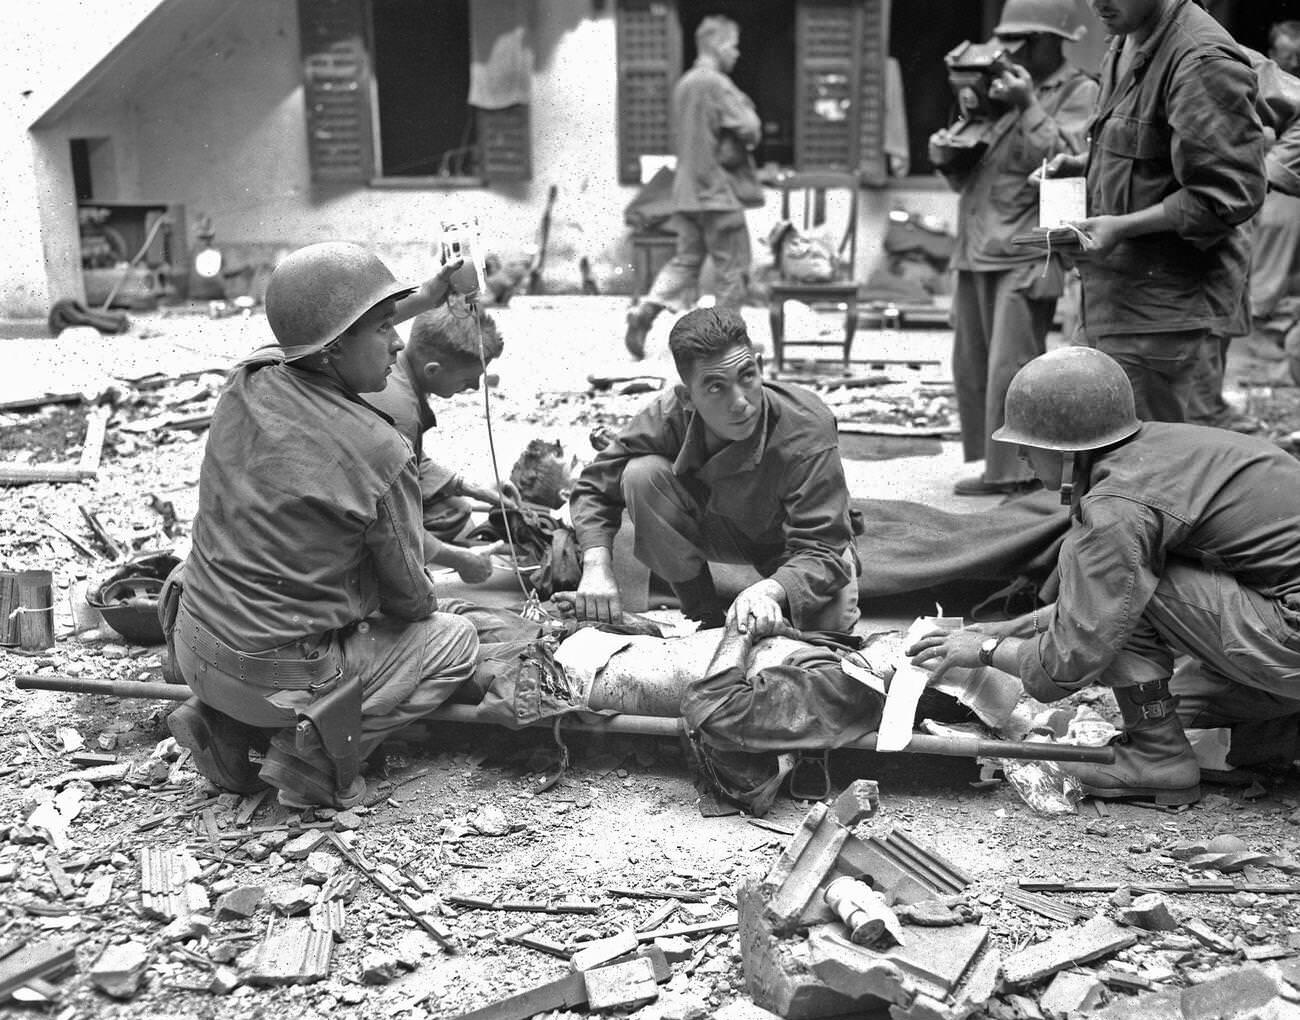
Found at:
(639, 725)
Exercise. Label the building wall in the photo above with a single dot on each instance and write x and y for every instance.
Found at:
(217, 125)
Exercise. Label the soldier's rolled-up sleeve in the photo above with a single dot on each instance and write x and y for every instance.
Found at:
(1217, 150)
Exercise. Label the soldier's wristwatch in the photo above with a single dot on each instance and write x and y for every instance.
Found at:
(987, 647)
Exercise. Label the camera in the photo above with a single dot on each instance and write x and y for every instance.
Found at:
(972, 70)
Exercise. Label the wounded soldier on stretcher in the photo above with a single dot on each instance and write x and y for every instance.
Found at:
(748, 704)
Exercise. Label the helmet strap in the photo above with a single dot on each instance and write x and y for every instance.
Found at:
(1068, 478)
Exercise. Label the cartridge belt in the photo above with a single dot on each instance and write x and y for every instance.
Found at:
(261, 668)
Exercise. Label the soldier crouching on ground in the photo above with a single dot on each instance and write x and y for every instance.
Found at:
(728, 467)
(1183, 540)
(305, 594)
(443, 358)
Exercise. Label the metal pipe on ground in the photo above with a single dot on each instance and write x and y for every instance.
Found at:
(639, 725)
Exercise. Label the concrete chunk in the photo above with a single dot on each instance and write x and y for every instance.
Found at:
(1079, 944)
(319, 867)
(1150, 912)
(1072, 992)
(120, 968)
(301, 847)
(239, 904)
(593, 954)
(628, 985)
(295, 901)
(293, 954)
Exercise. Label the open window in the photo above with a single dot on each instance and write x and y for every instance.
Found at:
(388, 83)
(814, 68)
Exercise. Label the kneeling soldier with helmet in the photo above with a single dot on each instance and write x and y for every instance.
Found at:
(306, 624)
(1184, 540)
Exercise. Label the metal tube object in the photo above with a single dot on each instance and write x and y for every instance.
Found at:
(640, 725)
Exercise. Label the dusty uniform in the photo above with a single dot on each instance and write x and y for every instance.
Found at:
(1188, 541)
(445, 513)
(708, 218)
(306, 567)
(1176, 125)
(776, 500)
(1005, 295)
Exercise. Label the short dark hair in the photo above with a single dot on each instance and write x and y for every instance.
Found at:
(713, 29)
(450, 337)
(705, 333)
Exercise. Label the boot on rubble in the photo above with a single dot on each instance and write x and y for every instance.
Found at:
(219, 745)
(639, 320)
(1153, 759)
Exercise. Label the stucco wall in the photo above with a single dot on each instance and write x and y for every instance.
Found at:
(210, 114)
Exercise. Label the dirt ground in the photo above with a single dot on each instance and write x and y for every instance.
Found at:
(461, 817)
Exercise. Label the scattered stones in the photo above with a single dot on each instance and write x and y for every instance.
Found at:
(224, 981)
(240, 903)
(295, 901)
(1072, 992)
(1150, 912)
(490, 820)
(319, 868)
(120, 969)
(346, 821)
(301, 847)
(675, 949)
(379, 967)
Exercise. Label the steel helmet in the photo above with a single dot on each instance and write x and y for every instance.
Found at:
(1074, 398)
(1055, 17)
(317, 292)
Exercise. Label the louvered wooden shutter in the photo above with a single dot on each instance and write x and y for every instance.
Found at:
(336, 89)
(873, 167)
(505, 141)
(825, 75)
(840, 86)
(649, 63)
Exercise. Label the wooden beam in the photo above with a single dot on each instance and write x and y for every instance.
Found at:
(92, 447)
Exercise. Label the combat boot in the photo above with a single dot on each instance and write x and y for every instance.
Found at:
(639, 321)
(219, 745)
(1153, 759)
(698, 599)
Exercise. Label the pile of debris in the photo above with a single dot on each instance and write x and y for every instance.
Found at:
(908, 938)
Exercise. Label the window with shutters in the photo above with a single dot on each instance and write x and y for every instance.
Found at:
(387, 86)
(814, 69)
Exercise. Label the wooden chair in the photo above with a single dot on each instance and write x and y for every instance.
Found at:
(811, 196)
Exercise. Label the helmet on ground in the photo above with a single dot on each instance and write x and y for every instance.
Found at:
(317, 292)
(1054, 17)
(1074, 398)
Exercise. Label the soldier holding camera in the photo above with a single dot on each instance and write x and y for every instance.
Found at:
(1022, 103)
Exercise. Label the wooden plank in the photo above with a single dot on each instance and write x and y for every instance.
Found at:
(101, 534)
(35, 961)
(92, 446)
(25, 474)
(686, 931)
(565, 993)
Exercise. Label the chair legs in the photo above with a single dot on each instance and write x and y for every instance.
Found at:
(850, 329)
(776, 318)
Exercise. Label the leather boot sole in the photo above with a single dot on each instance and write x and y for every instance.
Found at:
(224, 763)
(1164, 798)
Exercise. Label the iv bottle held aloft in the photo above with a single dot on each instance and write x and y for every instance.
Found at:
(460, 241)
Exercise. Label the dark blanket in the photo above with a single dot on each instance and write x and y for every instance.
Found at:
(911, 547)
